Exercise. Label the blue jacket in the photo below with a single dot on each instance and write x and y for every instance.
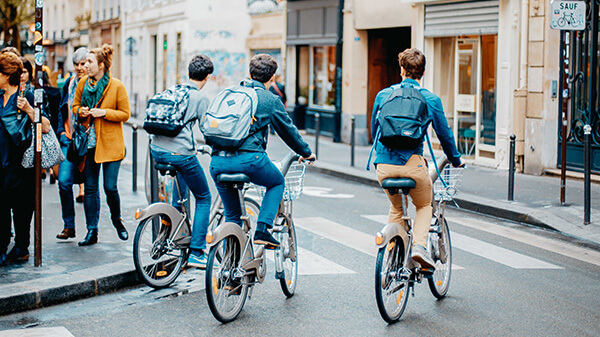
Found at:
(270, 110)
(435, 108)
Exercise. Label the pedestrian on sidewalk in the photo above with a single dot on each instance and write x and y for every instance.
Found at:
(68, 173)
(409, 162)
(250, 156)
(102, 104)
(180, 151)
(17, 188)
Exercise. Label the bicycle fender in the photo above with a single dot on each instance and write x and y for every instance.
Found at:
(161, 208)
(224, 230)
(391, 231)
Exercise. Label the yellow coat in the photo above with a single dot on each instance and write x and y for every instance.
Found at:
(110, 144)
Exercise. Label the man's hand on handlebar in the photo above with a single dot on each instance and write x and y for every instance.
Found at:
(310, 159)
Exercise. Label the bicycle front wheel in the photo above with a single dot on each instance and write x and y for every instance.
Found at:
(391, 287)
(158, 261)
(441, 247)
(226, 291)
(287, 254)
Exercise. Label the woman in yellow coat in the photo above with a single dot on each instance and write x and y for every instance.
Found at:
(102, 103)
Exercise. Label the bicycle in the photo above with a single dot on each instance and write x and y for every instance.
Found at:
(235, 264)
(162, 239)
(395, 272)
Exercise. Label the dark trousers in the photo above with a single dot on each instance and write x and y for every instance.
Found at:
(17, 198)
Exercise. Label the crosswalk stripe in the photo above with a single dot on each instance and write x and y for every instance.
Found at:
(341, 234)
(552, 245)
(498, 254)
(310, 263)
(37, 332)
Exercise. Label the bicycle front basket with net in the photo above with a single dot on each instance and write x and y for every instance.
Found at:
(294, 183)
(452, 177)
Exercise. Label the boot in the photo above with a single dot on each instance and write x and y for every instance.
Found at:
(18, 255)
(66, 233)
(90, 239)
(121, 230)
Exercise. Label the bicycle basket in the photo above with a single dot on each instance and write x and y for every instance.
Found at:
(451, 176)
(294, 183)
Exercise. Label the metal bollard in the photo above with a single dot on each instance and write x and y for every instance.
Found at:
(352, 139)
(511, 169)
(134, 141)
(317, 132)
(587, 149)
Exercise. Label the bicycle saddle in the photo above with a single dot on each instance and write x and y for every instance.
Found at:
(232, 178)
(164, 168)
(405, 184)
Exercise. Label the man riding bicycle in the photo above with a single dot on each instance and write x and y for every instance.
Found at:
(409, 162)
(250, 157)
(180, 151)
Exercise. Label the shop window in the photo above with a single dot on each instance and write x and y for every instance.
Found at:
(324, 76)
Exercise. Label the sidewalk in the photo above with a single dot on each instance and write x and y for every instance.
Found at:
(71, 272)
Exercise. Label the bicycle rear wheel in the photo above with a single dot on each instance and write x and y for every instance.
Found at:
(287, 254)
(391, 290)
(441, 248)
(225, 291)
(157, 260)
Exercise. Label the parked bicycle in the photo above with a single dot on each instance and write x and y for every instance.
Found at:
(162, 239)
(235, 265)
(395, 272)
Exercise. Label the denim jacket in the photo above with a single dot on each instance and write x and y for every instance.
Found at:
(386, 155)
(270, 110)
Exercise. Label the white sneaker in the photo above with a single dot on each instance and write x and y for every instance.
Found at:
(421, 256)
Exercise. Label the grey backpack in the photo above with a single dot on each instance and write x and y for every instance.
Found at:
(230, 115)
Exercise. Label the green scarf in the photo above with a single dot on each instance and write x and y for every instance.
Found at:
(92, 92)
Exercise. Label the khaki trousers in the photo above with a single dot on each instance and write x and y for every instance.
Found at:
(421, 195)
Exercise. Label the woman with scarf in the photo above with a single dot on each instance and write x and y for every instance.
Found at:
(102, 104)
(17, 189)
(68, 172)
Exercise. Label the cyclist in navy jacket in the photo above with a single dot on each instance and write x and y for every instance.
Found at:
(393, 163)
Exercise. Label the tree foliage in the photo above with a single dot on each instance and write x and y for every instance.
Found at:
(13, 14)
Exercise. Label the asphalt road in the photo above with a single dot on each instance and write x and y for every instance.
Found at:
(508, 280)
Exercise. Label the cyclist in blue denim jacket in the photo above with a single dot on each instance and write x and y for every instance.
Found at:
(250, 157)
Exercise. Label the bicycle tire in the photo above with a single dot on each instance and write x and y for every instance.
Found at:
(289, 275)
(157, 263)
(221, 285)
(439, 282)
(388, 286)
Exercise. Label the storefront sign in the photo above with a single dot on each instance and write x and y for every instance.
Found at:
(568, 15)
(464, 103)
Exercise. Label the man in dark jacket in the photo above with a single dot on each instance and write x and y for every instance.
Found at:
(250, 157)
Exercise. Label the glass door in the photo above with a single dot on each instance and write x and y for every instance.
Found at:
(467, 94)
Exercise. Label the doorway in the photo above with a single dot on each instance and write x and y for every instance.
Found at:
(383, 69)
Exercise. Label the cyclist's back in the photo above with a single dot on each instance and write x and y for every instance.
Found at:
(180, 151)
(250, 156)
(409, 162)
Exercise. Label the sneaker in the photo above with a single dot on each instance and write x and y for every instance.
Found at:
(422, 257)
(265, 238)
(18, 254)
(197, 261)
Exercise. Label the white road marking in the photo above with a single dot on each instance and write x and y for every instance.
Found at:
(310, 263)
(552, 245)
(323, 192)
(349, 237)
(37, 332)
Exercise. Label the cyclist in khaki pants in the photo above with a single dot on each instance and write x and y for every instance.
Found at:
(393, 163)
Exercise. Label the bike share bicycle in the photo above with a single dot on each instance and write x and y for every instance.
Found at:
(395, 272)
(162, 239)
(235, 265)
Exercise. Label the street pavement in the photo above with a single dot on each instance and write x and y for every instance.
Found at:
(70, 272)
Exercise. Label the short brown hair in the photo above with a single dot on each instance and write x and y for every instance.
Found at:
(104, 55)
(11, 65)
(262, 67)
(413, 62)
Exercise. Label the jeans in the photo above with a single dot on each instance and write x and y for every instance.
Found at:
(66, 172)
(91, 199)
(261, 171)
(17, 200)
(190, 173)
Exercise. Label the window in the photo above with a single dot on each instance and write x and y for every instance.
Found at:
(316, 75)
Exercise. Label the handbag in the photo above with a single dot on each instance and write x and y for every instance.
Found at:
(17, 124)
(79, 142)
(51, 153)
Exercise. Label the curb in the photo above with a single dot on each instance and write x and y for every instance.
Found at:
(80, 284)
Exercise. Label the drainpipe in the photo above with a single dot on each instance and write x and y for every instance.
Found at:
(337, 132)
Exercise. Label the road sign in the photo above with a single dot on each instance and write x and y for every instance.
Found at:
(568, 15)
